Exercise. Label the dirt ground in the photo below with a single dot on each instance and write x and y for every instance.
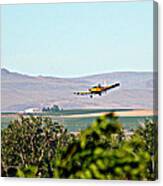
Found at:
(120, 113)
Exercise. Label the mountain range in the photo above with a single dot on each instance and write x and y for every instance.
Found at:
(20, 91)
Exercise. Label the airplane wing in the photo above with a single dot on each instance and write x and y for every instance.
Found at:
(112, 86)
(82, 93)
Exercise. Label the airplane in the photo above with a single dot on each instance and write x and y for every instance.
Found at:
(99, 89)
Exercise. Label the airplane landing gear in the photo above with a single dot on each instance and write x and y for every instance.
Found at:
(91, 96)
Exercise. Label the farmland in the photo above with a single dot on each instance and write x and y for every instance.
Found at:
(76, 120)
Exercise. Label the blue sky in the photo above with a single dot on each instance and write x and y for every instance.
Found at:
(77, 39)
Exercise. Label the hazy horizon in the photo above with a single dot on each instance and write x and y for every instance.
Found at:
(34, 75)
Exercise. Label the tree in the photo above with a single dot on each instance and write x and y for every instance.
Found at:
(33, 141)
(103, 152)
(37, 147)
(54, 108)
(149, 132)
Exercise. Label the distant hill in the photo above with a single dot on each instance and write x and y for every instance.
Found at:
(20, 91)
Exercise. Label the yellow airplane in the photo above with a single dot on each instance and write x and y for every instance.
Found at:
(99, 89)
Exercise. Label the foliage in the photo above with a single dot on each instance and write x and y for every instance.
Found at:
(32, 141)
(54, 108)
(104, 152)
(37, 147)
(149, 131)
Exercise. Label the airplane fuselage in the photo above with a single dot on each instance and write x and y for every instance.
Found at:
(97, 90)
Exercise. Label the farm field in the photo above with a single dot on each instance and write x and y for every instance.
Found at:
(76, 120)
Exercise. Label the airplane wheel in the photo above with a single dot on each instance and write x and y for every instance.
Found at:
(91, 96)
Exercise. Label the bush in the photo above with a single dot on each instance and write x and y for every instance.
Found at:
(37, 147)
(149, 132)
(33, 141)
(103, 152)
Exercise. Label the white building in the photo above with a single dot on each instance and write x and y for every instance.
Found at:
(32, 110)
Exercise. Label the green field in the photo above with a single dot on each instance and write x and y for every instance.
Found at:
(75, 124)
(5, 121)
(80, 123)
(79, 111)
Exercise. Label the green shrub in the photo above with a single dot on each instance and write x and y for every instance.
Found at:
(37, 147)
(32, 141)
(103, 152)
(149, 132)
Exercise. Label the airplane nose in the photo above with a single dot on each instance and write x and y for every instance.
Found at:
(117, 84)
